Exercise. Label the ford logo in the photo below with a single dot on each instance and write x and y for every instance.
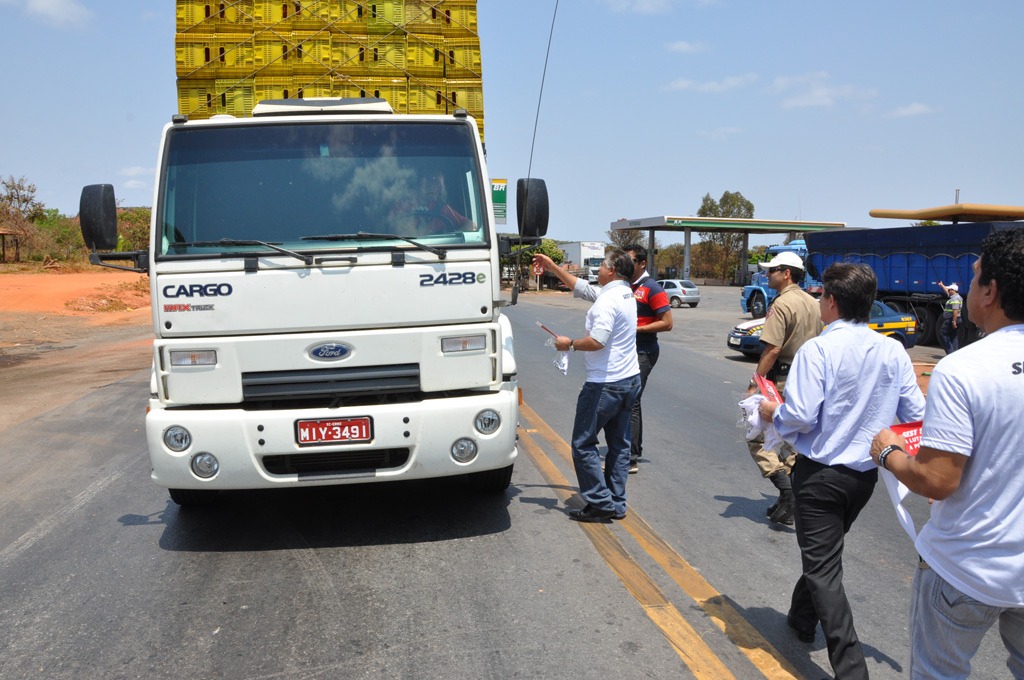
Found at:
(330, 351)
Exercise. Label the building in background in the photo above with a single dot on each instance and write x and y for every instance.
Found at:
(422, 56)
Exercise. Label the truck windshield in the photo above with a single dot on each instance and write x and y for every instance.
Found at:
(227, 189)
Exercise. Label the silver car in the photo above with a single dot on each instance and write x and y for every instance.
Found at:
(681, 292)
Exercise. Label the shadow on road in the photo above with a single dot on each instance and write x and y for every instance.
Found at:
(336, 516)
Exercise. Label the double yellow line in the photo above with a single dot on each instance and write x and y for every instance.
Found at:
(694, 651)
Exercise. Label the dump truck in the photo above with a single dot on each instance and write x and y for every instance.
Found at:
(910, 261)
(326, 300)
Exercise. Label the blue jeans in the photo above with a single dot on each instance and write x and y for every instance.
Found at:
(948, 336)
(946, 628)
(604, 406)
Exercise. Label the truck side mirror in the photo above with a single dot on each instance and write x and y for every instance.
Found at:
(532, 207)
(97, 212)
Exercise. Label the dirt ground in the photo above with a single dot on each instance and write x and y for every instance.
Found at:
(63, 334)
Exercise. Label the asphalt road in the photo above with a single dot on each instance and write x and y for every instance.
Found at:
(101, 576)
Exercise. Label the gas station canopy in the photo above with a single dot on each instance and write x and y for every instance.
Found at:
(745, 226)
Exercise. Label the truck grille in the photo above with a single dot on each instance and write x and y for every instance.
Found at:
(331, 383)
(335, 462)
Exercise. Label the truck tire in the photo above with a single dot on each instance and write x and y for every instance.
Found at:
(491, 481)
(190, 498)
(927, 326)
(757, 306)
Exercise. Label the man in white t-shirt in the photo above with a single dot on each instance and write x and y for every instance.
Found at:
(607, 396)
(971, 462)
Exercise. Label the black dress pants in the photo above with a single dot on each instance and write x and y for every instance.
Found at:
(828, 500)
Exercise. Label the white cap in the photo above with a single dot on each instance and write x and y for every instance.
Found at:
(784, 259)
(953, 286)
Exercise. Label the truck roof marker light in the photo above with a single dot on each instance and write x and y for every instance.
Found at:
(463, 343)
(463, 450)
(200, 357)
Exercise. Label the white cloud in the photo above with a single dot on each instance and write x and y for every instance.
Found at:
(814, 90)
(56, 12)
(910, 110)
(137, 171)
(686, 47)
(714, 86)
(639, 6)
(137, 184)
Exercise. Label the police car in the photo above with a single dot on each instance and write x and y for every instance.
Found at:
(746, 337)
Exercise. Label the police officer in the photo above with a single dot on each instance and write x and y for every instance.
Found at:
(793, 319)
(950, 317)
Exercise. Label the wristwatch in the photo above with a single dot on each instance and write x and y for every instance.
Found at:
(571, 346)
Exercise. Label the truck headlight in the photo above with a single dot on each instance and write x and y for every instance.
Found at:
(464, 450)
(177, 438)
(205, 464)
(487, 421)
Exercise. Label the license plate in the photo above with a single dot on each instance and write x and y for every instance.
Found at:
(334, 431)
(734, 341)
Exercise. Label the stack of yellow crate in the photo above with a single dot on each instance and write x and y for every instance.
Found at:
(423, 56)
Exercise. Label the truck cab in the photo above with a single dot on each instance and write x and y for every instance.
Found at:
(758, 296)
(326, 300)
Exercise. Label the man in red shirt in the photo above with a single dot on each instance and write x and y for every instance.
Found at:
(653, 316)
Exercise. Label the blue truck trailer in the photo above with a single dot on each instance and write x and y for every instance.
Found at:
(910, 261)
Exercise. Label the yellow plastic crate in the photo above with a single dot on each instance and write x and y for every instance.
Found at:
(460, 18)
(427, 95)
(195, 97)
(463, 58)
(467, 94)
(385, 17)
(213, 55)
(425, 55)
(312, 52)
(202, 16)
(394, 90)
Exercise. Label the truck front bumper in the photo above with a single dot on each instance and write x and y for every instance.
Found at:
(259, 449)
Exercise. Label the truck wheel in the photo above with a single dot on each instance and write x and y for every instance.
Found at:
(676, 303)
(926, 325)
(189, 498)
(757, 306)
(492, 481)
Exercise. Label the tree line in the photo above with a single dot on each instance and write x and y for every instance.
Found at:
(45, 235)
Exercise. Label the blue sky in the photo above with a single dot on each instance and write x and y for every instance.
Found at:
(813, 110)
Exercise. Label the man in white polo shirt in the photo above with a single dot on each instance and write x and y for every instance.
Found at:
(971, 462)
(607, 396)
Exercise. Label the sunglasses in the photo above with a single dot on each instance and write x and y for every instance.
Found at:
(772, 270)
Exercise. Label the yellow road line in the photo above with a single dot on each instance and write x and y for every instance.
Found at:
(694, 652)
(754, 646)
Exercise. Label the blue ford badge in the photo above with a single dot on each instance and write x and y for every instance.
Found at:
(330, 351)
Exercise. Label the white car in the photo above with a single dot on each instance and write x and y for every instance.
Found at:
(681, 292)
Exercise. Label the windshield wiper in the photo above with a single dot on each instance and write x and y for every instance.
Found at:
(365, 236)
(306, 259)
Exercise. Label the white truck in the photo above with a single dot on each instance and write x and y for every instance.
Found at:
(586, 255)
(326, 300)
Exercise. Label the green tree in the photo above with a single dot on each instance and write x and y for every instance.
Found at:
(620, 238)
(731, 205)
(19, 195)
(133, 228)
(672, 256)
